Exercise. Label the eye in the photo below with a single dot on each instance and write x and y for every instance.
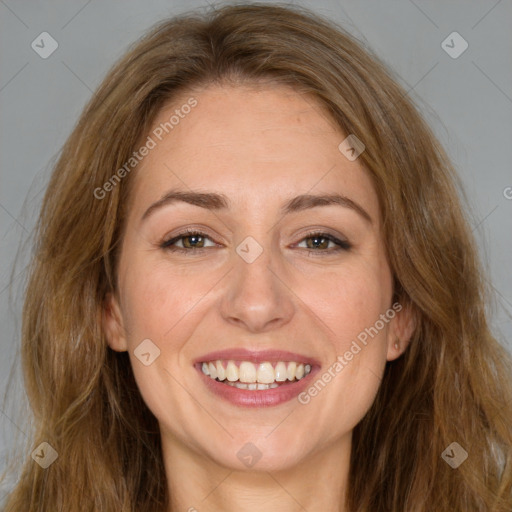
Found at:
(195, 241)
(190, 240)
(320, 242)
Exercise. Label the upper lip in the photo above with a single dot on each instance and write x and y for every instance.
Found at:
(257, 356)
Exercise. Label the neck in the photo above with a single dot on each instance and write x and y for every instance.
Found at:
(198, 483)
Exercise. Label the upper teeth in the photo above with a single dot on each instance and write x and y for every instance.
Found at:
(248, 372)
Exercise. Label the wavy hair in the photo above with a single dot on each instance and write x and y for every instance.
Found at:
(453, 382)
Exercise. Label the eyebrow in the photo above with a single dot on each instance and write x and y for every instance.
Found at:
(214, 201)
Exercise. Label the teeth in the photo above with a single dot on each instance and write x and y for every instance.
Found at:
(255, 376)
(212, 370)
(280, 371)
(247, 372)
(290, 372)
(265, 373)
(221, 372)
(231, 371)
(252, 386)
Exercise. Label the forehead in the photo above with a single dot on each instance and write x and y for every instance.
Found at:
(258, 145)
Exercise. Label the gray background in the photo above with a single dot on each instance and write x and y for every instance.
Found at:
(467, 101)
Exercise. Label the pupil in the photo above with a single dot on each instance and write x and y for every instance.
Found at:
(194, 238)
(316, 241)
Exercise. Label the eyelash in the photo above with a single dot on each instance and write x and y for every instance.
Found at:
(343, 245)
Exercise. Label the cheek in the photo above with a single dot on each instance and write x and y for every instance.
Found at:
(159, 299)
(354, 308)
(164, 306)
(352, 301)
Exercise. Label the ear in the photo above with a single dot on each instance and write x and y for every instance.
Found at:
(113, 324)
(400, 331)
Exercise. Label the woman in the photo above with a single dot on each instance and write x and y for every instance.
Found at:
(254, 286)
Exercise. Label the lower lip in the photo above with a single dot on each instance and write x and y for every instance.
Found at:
(260, 397)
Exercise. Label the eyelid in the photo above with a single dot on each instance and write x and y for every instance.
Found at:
(166, 242)
(341, 242)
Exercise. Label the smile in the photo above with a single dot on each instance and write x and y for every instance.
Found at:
(254, 377)
(256, 384)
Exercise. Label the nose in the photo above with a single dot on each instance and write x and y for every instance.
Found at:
(257, 297)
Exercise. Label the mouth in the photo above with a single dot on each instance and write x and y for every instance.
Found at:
(255, 379)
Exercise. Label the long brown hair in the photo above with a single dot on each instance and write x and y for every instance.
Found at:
(451, 385)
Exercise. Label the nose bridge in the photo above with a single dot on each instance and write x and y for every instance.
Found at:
(256, 296)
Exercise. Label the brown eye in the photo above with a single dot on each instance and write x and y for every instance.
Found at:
(193, 241)
(190, 240)
(319, 242)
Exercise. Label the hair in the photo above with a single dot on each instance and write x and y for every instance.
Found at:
(452, 384)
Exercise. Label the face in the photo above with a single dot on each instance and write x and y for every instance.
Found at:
(267, 278)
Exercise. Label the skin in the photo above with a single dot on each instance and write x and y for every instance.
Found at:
(260, 146)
